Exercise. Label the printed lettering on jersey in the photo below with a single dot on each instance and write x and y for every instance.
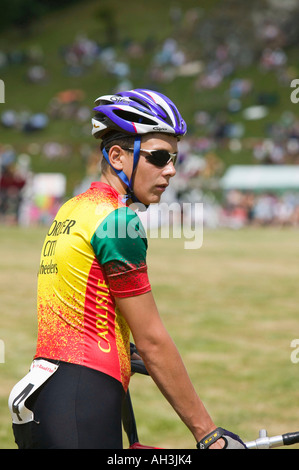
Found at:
(47, 265)
(102, 316)
(61, 227)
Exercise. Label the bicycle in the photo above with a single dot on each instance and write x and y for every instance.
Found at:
(130, 426)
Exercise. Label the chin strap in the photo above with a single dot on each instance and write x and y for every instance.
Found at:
(122, 175)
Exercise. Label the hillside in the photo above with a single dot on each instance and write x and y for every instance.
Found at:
(214, 62)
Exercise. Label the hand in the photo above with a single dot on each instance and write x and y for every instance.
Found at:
(219, 444)
(221, 439)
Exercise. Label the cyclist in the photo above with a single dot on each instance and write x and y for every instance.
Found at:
(93, 290)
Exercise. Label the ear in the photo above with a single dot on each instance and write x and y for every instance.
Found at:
(116, 155)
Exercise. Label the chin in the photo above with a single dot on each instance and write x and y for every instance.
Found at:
(152, 199)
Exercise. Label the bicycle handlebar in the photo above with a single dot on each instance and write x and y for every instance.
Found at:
(265, 442)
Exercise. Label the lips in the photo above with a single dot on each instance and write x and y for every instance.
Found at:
(161, 187)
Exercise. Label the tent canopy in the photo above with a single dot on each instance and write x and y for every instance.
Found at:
(261, 178)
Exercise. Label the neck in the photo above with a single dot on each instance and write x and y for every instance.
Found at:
(116, 183)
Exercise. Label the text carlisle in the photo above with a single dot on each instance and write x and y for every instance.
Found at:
(102, 317)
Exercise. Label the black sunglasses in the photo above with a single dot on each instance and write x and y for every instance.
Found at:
(159, 158)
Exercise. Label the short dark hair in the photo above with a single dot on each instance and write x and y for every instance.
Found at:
(115, 138)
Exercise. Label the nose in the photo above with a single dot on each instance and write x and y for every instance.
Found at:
(169, 169)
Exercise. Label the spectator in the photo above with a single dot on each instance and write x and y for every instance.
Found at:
(11, 185)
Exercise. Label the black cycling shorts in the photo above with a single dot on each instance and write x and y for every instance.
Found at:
(77, 408)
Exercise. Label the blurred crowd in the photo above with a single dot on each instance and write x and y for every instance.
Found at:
(261, 210)
(197, 180)
(209, 51)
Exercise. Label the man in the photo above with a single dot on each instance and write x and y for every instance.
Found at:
(93, 290)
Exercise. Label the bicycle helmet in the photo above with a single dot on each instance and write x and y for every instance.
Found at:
(136, 112)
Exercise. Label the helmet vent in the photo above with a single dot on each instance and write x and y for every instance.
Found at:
(141, 102)
(129, 116)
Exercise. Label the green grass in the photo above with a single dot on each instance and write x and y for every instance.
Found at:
(230, 306)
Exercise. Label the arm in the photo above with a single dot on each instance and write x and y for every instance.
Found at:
(164, 363)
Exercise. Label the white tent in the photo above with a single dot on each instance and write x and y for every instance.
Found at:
(261, 178)
(49, 184)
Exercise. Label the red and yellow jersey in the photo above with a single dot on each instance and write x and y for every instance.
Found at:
(94, 251)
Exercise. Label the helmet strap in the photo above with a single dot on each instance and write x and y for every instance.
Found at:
(137, 145)
(121, 174)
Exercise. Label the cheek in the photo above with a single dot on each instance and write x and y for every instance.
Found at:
(142, 183)
(142, 175)
(146, 178)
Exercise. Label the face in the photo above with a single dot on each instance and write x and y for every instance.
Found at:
(150, 182)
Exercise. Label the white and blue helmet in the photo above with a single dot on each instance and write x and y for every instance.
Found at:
(135, 113)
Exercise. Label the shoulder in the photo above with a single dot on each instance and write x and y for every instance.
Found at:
(124, 223)
(121, 234)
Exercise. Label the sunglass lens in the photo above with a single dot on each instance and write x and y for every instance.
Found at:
(159, 158)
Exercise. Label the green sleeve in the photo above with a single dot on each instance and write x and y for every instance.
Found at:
(120, 237)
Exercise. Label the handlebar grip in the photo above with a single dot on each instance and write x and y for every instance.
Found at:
(290, 438)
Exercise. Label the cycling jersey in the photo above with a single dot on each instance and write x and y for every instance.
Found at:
(94, 251)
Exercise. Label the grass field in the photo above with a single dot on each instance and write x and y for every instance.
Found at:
(231, 307)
